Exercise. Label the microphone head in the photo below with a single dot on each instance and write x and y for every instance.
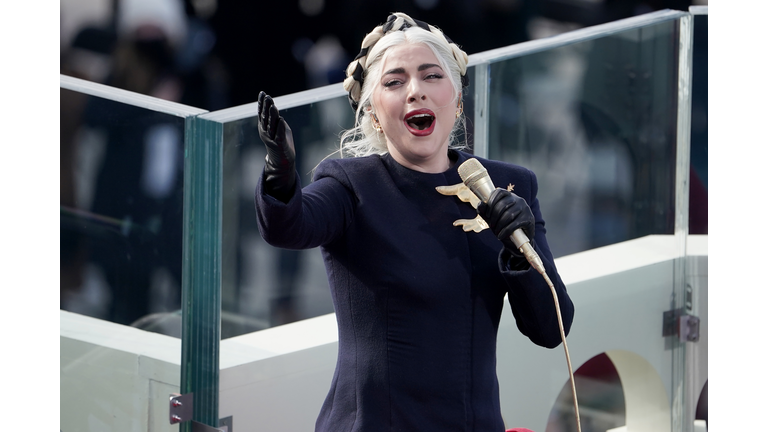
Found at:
(476, 178)
(471, 169)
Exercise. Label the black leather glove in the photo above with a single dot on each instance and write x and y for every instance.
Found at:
(280, 169)
(505, 212)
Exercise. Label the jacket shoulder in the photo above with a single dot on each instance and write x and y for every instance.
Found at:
(344, 170)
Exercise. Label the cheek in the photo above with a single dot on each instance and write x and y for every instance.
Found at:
(448, 118)
(386, 107)
(450, 108)
(445, 96)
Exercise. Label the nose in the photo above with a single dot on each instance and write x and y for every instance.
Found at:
(414, 92)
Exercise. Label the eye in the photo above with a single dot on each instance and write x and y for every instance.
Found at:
(393, 82)
(434, 75)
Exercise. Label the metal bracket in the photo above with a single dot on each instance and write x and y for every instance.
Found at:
(684, 326)
(181, 409)
(688, 328)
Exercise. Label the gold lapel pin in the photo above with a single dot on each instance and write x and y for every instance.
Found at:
(465, 195)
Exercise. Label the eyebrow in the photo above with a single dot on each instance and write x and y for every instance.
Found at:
(422, 67)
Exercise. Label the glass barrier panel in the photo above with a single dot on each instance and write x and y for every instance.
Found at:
(263, 286)
(121, 246)
(596, 121)
(121, 212)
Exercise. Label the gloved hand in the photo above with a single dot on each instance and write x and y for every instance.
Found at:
(505, 212)
(280, 169)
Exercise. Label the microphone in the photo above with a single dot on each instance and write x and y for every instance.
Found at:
(476, 178)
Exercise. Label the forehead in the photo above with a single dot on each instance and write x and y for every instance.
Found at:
(406, 55)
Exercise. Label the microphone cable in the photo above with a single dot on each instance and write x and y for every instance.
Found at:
(540, 268)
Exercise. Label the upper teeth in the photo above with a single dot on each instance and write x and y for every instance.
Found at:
(420, 115)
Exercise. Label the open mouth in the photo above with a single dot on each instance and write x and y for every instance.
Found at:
(420, 122)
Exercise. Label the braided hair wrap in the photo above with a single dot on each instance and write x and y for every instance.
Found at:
(397, 21)
(363, 73)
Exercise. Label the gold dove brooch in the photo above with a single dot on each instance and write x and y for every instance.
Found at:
(466, 195)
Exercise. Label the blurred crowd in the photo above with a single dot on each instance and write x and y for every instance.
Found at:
(214, 54)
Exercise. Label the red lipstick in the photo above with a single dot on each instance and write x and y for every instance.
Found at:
(420, 122)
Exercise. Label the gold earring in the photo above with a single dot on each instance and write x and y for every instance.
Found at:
(461, 109)
(375, 123)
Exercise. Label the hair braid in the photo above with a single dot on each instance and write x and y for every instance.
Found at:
(397, 21)
(363, 139)
(356, 69)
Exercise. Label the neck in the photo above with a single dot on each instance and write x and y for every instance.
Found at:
(433, 165)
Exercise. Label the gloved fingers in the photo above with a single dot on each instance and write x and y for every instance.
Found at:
(485, 209)
(278, 129)
(530, 221)
(482, 209)
(274, 118)
(504, 212)
(500, 208)
(260, 104)
(524, 220)
(284, 138)
(507, 231)
(500, 195)
(263, 109)
(268, 116)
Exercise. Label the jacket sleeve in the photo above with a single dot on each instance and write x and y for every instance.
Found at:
(529, 295)
(314, 216)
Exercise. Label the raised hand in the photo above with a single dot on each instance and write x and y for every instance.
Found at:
(280, 169)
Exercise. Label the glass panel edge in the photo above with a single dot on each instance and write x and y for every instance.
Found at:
(699, 10)
(201, 280)
(292, 100)
(574, 36)
(482, 101)
(682, 396)
(683, 150)
(127, 97)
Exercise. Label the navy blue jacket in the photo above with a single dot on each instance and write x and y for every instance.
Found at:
(417, 300)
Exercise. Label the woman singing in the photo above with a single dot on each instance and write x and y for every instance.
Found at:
(417, 299)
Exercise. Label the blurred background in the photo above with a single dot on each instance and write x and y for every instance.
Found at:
(214, 54)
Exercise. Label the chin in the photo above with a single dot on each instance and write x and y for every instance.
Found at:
(428, 150)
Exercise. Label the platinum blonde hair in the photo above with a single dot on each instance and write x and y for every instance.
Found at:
(364, 73)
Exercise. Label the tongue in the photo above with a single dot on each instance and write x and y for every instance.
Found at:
(420, 123)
